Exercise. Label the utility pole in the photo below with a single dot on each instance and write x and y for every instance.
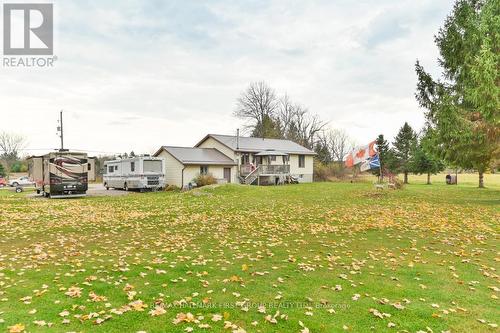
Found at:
(60, 129)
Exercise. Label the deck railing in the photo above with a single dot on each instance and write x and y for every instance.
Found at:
(275, 169)
(246, 169)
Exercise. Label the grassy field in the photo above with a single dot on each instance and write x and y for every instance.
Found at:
(323, 257)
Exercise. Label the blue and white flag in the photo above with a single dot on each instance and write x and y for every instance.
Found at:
(370, 163)
(375, 162)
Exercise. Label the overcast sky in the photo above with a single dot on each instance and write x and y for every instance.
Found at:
(134, 75)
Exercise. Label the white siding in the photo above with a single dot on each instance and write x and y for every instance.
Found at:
(212, 143)
(173, 170)
(193, 171)
(307, 171)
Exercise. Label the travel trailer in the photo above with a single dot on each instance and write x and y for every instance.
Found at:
(141, 173)
(60, 174)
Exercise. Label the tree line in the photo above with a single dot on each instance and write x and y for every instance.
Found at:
(268, 115)
(409, 153)
(462, 107)
(11, 146)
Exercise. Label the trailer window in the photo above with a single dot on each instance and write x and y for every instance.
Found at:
(110, 169)
(132, 166)
(89, 167)
(152, 166)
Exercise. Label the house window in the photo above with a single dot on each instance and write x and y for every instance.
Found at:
(110, 169)
(273, 158)
(116, 167)
(132, 166)
(203, 170)
(245, 159)
(302, 161)
(89, 166)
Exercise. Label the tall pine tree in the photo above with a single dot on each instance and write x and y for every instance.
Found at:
(404, 145)
(423, 161)
(463, 107)
(386, 156)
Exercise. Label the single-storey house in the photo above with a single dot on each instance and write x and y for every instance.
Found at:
(183, 164)
(237, 159)
(263, 161)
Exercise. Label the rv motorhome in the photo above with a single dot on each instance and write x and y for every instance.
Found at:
(141, 172)
(60, 174)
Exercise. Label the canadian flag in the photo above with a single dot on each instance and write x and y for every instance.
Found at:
(360, 154)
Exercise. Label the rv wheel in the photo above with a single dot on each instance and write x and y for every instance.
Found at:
(19, 189)
(125, 187)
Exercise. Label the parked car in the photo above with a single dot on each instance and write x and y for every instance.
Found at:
(21, 181)
(3, 182)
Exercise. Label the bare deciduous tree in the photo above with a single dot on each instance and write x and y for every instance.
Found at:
(257, 105)
(340, 144)
(271, 117)
(10, 147)
(334, 144)
(305, 127)
(284, 115)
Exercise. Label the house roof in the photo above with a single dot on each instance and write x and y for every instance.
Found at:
(188, 155)
(271, 152)
(249, 144)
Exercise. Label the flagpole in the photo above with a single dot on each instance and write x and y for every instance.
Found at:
(380, 167)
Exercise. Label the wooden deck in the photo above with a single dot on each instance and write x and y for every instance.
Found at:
(265, 170)
(251, 174)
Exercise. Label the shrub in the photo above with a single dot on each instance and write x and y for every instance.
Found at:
(203, 180)
(329, 172)
(398, 184)
(2, 170)
(321, 172)
(19, 167)
(172, 188)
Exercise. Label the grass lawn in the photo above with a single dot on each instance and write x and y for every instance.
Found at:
(322, 257)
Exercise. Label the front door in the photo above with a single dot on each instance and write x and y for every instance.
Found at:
(227, 174)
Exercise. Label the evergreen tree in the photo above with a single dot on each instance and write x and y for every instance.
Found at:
(404, 145)
(322, 152)
(266, 129)
(463, 107)
(386, 156)
(2, 170)
(423, 162)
